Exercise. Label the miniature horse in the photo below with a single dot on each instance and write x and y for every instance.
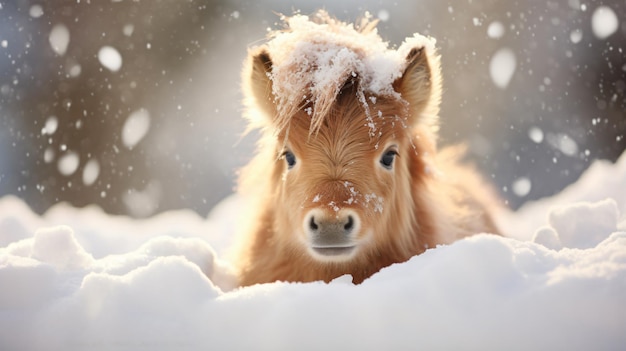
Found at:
(348, 178)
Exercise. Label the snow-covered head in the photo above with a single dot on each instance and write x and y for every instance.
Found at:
(347, 125)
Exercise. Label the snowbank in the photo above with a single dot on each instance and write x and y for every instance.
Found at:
(78, 279)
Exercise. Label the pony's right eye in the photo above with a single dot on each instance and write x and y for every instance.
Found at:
(290, 159)
(388, 157)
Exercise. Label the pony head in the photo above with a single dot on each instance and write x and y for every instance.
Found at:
(348, 126)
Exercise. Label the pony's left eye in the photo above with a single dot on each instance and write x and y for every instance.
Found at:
(387, 159)
(290, 159)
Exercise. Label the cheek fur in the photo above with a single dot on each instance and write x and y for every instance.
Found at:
(291, 199)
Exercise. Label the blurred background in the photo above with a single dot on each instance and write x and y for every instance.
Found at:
(135, 105)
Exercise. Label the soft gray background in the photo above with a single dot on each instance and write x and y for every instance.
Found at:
(182, 63)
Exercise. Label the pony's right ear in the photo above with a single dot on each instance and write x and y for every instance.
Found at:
(257, 85)
(420, 84)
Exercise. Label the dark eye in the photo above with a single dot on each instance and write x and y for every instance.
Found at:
(387, 159)
(290, 158)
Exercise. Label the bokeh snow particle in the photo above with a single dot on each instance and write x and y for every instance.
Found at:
(495, 30)
(59, 39)
(75, 70)
(535, 134)
(68, 163)
(128, 30)
(563, 143)
(135, 127)
(35, 11)
(110, 58)
(574, 4)
(604, 22)
(576, 36)
(567, 145)
(502, 67)
(383, 15)
(48, 155)
(91, 172)
(143, 203)
(52, 123)
(521, 186)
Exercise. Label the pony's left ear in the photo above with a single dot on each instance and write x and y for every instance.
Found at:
(420, 85)
(257, 87)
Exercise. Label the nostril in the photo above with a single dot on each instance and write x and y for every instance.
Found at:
(312, 224)
(349, 225)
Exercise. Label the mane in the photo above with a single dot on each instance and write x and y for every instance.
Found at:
(314, 57)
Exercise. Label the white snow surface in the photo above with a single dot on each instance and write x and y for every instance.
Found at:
(79, 279)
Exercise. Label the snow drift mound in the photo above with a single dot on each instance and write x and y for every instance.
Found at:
(78, 279)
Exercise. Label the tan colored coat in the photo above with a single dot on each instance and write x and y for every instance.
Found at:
(424, 199)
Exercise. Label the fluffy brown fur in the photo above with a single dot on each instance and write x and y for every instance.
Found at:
(426, 199)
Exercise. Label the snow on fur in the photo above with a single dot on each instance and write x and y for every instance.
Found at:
(393, 209)
(79, 279)
(314, 56)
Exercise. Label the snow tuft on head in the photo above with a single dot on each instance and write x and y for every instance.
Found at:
(314, 57)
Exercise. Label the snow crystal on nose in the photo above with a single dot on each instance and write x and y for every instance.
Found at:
(334, 206)
(376, 200)
(354, 194)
